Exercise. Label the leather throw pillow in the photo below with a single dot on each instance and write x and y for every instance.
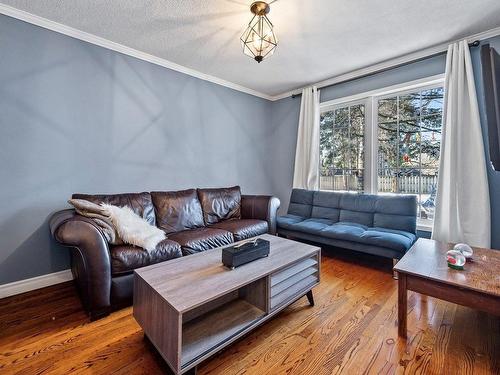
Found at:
(220, 204)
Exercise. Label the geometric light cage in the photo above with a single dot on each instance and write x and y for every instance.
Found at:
(258, 40)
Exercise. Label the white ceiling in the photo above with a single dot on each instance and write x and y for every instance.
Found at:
(318, 39)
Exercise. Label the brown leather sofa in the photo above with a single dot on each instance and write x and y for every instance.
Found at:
(194, 220)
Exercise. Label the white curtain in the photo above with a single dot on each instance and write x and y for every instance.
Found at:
(462, 201)
(306, 172)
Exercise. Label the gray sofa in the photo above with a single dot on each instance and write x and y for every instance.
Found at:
(376, 224)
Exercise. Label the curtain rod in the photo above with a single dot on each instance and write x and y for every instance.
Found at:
(472, 44)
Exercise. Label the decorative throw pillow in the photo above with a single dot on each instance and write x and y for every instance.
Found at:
(99, 216)
(132, 228)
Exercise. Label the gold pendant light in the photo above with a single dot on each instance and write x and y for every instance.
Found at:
(258, 40)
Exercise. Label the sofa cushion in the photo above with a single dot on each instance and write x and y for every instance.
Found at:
(357, 208)
(314, 226)
(329, 213)
(410, 236)
(326, 205)
(220, 204)
(201, 239)
(391, 239)
(126, 258)
(396, 212)
(399, 204)
(364, 218)
(396, 222)
(286, 221)
(344, 231)
(140, 203)
(358, 202)
(327, 199)
(243, 228)
(301, 203)
(177, 210)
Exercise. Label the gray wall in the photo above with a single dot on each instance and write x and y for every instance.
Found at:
(493, 176)
(75, 117)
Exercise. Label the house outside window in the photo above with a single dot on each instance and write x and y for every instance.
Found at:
(385, 142)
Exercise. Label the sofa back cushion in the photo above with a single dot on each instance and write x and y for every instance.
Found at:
(301, 202)
(357, 208)
(177, 210)
(220, 204)
(396, 212)
(326, 205)
(140, 203)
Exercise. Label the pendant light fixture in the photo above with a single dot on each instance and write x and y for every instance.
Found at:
(258, 40)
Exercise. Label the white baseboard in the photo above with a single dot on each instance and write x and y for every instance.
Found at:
(26, 285)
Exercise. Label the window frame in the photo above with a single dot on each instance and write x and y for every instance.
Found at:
(370, 100)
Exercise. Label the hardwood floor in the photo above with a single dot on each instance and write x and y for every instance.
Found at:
(352, 329)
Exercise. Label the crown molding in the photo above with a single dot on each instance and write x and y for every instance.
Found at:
(391, 63)
(105, 43)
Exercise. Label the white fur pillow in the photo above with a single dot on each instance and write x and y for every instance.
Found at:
(132, 228)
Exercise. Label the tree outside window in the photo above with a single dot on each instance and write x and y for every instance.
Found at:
(409, 141)
(342, 148)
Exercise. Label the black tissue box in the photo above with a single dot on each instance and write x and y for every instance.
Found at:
(237, 255)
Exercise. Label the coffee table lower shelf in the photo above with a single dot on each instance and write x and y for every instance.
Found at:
(204, 334)
(207, 334)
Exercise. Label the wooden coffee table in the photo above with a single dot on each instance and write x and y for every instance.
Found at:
(192, 307)
(423, 269)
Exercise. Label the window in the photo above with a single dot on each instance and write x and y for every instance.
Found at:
(342, 148)
(386, 141)
(409, 140)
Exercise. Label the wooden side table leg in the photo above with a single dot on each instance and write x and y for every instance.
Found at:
(402, 305)
(394, 273)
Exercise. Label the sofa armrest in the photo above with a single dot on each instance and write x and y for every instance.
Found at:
(263, 207)
(91, 264)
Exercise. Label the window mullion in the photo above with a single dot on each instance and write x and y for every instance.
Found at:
(371, 147)
(332, 172)
(398, 166)
(419, 153)
(349, 144)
